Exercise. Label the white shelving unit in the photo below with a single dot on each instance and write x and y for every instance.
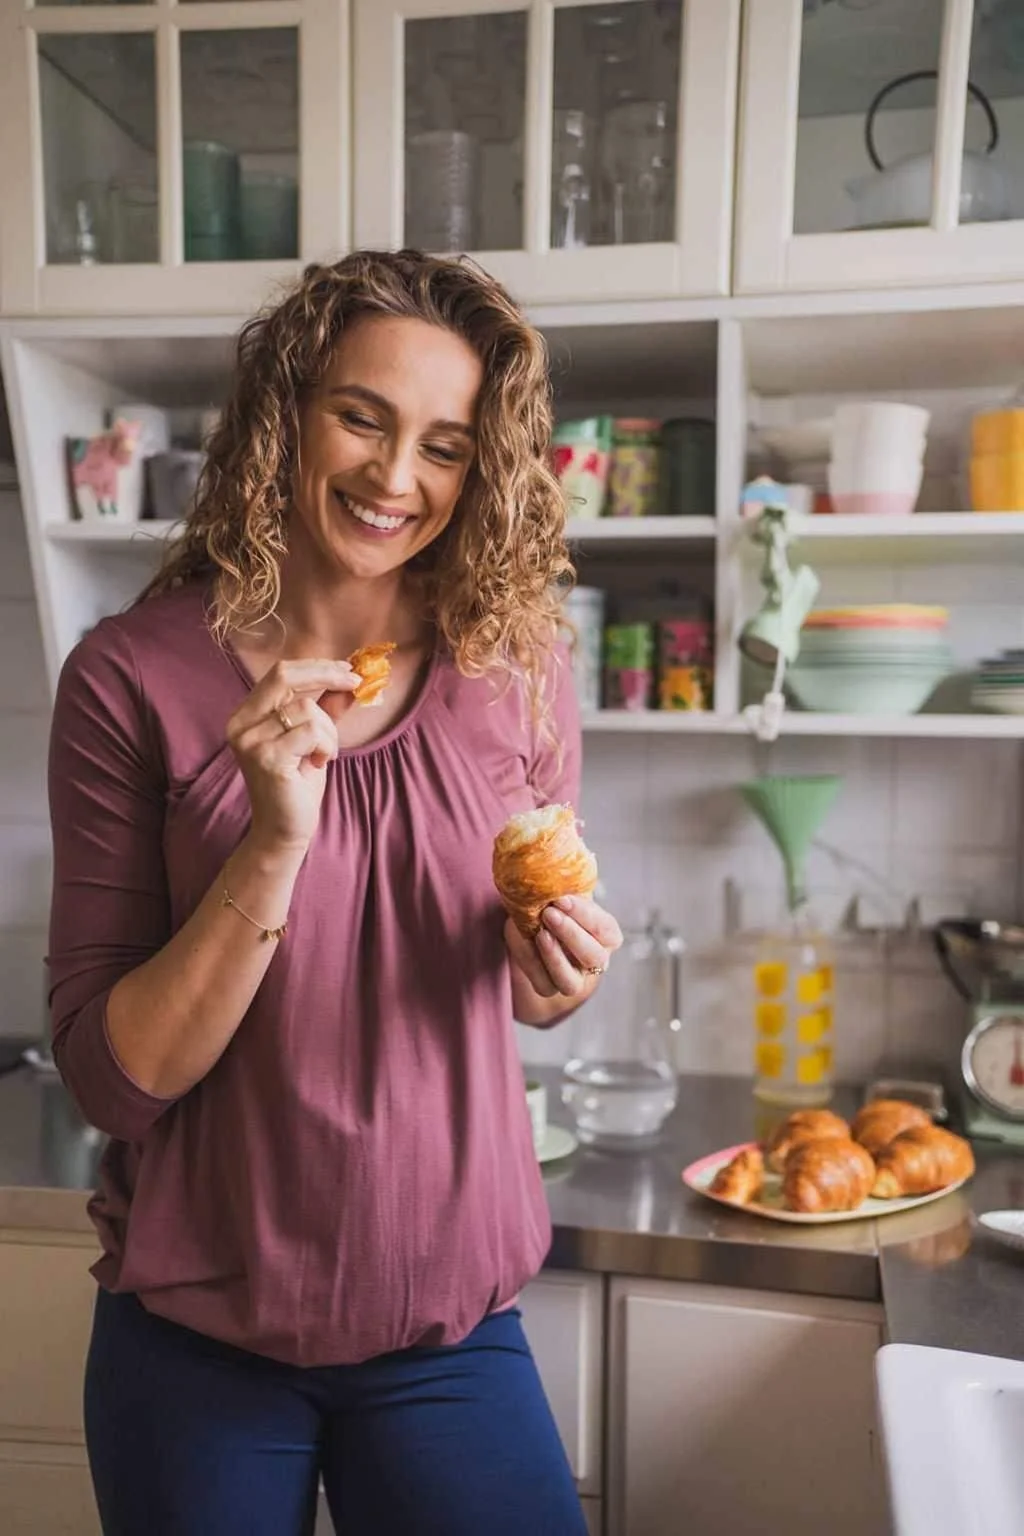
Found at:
(753, 361)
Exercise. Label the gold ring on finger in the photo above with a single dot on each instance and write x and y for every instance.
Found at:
(286, 724)
(595, 970)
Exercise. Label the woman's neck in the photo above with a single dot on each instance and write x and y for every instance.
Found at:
(331, 616)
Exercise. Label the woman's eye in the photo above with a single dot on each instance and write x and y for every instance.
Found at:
(444, 455)
(355, 419)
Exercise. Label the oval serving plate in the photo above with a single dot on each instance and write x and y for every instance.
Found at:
(698, 1177)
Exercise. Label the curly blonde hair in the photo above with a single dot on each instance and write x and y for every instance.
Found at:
(495, 577)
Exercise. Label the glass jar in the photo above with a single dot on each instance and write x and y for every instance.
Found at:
(794, 1001)
(635, 468)
(620, 1083)
(580, 457)
(628, 666)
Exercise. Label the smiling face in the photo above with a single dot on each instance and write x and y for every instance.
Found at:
(385, 444)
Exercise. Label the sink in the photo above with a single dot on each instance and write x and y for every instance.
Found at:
(953, 1430)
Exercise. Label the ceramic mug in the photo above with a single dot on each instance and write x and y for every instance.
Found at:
(537, 1103)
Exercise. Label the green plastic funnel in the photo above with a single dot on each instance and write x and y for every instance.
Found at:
(792, 809)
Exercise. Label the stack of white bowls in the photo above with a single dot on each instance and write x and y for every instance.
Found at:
(877, 461)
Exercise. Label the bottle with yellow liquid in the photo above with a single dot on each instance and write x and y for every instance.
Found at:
(794, 973)
(794, 992)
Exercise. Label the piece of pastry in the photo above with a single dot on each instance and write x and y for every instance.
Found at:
(921, 1160)
(374, 668)
(538, 857)
(802, 1125)
(831, 1173)
(881, 1120)
(742, 1179)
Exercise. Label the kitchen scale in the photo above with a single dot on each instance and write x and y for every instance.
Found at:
(985, 962)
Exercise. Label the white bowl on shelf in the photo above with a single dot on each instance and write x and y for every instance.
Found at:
(863, 690)
(875, 490)
(884, 470)
(802, 442)
(884, 425)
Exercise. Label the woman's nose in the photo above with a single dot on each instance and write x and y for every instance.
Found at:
(394, 470)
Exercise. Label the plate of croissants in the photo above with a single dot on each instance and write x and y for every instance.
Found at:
(818, 1167)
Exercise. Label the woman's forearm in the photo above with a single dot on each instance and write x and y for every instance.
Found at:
(170, 1020)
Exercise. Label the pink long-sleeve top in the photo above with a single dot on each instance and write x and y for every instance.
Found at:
(356, 1173)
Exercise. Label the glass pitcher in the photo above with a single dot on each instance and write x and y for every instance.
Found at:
(620, 1083)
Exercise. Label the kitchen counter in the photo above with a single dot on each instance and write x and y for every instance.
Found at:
(943, 1280)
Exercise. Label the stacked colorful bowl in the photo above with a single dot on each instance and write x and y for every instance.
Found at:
(880, 660)
(999, 685)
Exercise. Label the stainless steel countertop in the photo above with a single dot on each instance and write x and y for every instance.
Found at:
(942, 1279)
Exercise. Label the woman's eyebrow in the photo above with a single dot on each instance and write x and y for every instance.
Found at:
(372, 398)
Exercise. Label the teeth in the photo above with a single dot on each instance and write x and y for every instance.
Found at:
(371, 518)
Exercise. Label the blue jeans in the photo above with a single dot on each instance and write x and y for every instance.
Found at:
(190, 1437)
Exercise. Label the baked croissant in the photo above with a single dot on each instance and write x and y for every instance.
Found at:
(374, 669)
(802, 1125)
(831, 1173)
(879, 1121)
(538, 857)
(742, 1179)
(921, 1160)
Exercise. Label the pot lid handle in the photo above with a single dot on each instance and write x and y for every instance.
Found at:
(924, 74)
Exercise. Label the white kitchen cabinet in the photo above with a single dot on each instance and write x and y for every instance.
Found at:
(581, 150)
(47, 1303)
(45, 1321)
(562, 1317)
(45, 1490)
(169, 158)
(741, 1413)
(805, 180)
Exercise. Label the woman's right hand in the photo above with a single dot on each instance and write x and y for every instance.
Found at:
(283, 740)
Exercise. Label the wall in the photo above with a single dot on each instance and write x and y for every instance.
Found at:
(24, 827)
(936, 821)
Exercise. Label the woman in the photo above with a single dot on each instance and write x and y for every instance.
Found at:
(282, 981)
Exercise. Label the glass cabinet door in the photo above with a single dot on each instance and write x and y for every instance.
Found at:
(465, 101)
(615, 124)
(992, 184)
(582, 149)
(240, 144)
(170, 156)
(97, 109)
(866, 115)
(881, 144)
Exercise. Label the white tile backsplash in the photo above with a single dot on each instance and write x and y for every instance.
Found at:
(932, 823)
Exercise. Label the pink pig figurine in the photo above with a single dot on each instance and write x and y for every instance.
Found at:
(106, 473)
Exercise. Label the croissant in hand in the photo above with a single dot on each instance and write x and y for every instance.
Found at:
(538, 857)
(881, 1120)
(921, 1160)
(742, 1179)
(374, 668)
(831, 1173)
(802, 1125)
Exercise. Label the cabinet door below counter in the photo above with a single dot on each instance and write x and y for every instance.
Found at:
(742, 1413)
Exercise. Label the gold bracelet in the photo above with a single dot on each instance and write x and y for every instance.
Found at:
(227, 900)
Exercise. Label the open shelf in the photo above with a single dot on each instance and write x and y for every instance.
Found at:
(794, 723)
(139, 534)
(640, 530)
(924, 538)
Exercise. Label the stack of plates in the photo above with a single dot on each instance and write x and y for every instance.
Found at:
(886, 659)
(999, 685)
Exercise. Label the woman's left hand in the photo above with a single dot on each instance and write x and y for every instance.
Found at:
(571, 952)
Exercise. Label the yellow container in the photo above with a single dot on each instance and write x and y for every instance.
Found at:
(997, 482)
(998, 432)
